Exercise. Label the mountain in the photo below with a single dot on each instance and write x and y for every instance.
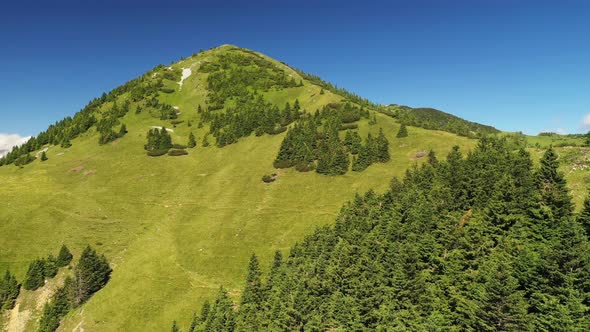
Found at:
(176, 223)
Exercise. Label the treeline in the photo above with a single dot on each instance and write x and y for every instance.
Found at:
(352, 97)
(45, 268)
(433, 119)
(314, 143)
(91, 273)
(484, 242)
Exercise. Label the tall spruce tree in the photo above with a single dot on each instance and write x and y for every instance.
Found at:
(9, 290)
(91, 274)
(551, 183)
(35, 276)
(382, 147)
(403, 131)
(192, 142)
(64, 257)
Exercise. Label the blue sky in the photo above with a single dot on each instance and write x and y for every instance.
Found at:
(517, 65)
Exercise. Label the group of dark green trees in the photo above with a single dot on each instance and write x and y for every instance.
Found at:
(234, 83)
(45, 268)
(91, 273)
(483, 242)
(9, 290)
(314, 143)
(158, 142)
(434, 119)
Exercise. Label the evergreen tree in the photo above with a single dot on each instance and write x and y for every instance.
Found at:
(50, 267)
(584, 216)
(65, 143)
(53, 311)
(91, 274)
(403, 131)
(382, 147)
(9, 290)
(122, 130)
(222, 316)
(551, 182)
(175, 327)
(43, 156)
(35, 276)
(64, 257)
(205, 141)
(252, 299)
(432, 158)
(192, 142)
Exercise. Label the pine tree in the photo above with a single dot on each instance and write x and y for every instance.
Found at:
(253, 292)
(35, 276)
(382, 147)
(43, 156)
(432, 158)
(403, 131)
(252, 298)
(65, 143)
(192, 142)
(175, 327)
(122, 130)
(222, 316)
(552, 184)
(584, 216)
(50, 267)
(54, 310)
(9, 290)
(205, 141)
(64, 257)
(91, 274)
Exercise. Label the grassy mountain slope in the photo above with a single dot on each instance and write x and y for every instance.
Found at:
(431, 118)
(176, 228)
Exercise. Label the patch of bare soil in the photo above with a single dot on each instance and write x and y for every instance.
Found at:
(17, 320)
(77, 169)
(90, 172)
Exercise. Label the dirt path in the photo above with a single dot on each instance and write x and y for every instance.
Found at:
(17, 320)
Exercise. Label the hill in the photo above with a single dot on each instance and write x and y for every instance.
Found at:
(430, 118)
(178, 227)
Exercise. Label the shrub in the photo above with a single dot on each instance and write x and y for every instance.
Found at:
(349, 126)
(305, 167)
(178, 146)
(180, 152)
(282, 163)
(276, 131)
(157, 153)
(167, 90)
(268, 178)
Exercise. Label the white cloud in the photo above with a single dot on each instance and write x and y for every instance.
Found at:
(8, 141)
(585, 122)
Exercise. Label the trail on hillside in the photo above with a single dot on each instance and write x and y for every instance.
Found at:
(17, 320)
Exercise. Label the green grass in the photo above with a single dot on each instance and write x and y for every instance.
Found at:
(176, 228)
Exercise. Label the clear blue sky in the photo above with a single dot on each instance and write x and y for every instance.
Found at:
(517, 65)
